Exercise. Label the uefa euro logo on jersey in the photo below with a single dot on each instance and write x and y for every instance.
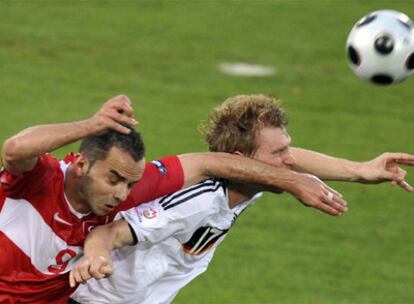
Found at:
(149, 213)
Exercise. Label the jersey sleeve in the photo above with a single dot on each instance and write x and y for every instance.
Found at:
(151, 223)
(160, 177)
(28, 183)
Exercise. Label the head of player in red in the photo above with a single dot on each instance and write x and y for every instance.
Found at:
(104, 171)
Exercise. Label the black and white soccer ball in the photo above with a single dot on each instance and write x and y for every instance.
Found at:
(380, 47)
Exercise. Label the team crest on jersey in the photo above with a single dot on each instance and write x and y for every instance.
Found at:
(88, 225)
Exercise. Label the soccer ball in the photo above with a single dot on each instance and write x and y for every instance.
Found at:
(380, 47)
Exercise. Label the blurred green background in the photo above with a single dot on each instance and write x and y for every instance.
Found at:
(59, 60)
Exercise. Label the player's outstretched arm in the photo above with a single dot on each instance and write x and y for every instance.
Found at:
(384, 168)
(306, 188)
(97, 262)
(21, 151)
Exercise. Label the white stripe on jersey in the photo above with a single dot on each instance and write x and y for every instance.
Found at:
(23, 225)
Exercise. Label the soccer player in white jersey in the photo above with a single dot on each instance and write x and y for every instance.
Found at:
(175, 237)
(47, 206)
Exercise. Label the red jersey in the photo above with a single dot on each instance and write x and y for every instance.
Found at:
(41, 235)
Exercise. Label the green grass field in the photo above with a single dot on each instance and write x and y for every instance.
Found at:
(59, 60)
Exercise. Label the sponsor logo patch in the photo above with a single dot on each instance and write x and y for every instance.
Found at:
(160, 166)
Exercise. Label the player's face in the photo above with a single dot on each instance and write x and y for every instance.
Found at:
(108, 182)
(273, 147)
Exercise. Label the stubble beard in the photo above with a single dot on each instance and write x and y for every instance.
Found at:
(84, 192)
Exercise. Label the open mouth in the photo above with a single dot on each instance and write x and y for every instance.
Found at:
(110, 207)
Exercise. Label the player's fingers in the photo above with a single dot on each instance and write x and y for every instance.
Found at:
(327, 209)
(83, 271)
(72, 282)
(84, 277)
(120, 128)
(335, 196)
(406, 162)
(99, 268)
(119, 99)
(76, 276)
(393, 175)
(124, 108)
(95, 270)
(327, 189)
(111, 123)
(335, 202)
(118, 117)
(406, 186)
(106, 270)
(399, 174)
(122, 104)
(402, 157)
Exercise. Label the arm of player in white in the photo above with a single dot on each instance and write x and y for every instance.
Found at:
(20, 152)
(384, 168)
(309, 191)
(97, 261)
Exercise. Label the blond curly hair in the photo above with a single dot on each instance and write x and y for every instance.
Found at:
(234, 125)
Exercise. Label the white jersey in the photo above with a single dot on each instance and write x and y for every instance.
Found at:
(177, 236)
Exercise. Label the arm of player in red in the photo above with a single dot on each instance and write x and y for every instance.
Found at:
(20, 153)
(309, 190)
(97, 261)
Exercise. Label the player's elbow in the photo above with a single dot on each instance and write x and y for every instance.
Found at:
(10, 150)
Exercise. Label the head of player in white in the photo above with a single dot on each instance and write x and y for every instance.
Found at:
(253, 126)
(104, 171)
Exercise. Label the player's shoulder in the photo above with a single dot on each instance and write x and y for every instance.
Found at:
(47, 160)
(205, 195)
(202, 199)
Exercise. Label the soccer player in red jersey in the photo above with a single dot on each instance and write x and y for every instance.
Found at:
(47, 207)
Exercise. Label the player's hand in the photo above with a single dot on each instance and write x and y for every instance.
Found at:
(97, 267)
(387, 168)
(113, 113)
(312, 192)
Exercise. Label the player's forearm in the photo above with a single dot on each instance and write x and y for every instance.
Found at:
(20, 152)
(37, 140)
(97, 262)
(103, 239)
(198, 166)
(326, 167)
(100, 242)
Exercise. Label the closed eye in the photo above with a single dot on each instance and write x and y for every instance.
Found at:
(280, 151)
(131, 185)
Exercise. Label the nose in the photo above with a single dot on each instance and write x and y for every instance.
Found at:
(289, 160)
(121, 193)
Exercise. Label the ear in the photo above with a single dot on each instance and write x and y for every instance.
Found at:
(238, 153)
(81, 164)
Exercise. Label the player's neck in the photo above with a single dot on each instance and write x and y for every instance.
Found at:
(72, 192)
(239, 193)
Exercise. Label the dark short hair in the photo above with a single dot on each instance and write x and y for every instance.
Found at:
(96, 147)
